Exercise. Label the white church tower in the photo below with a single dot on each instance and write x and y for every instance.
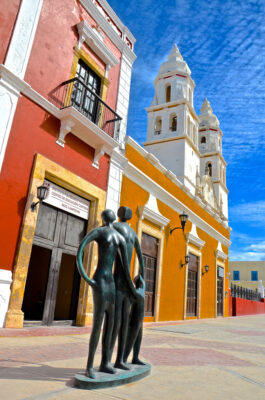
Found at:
(212, 161)
(172, 132)
(188, 145)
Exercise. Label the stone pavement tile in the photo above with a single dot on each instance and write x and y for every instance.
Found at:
(31, 341)
(178, 384)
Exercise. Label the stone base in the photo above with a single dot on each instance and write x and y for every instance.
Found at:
(104, 380)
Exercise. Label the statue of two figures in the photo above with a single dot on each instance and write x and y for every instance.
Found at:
(117, 301)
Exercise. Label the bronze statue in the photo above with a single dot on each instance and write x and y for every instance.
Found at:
(135, 332)
(124, 300)
(110, 242)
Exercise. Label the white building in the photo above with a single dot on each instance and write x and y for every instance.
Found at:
(188, 144)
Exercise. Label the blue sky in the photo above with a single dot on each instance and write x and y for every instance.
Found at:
(223, 42)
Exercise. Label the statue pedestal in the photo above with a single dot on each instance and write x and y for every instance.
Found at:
(104, 380)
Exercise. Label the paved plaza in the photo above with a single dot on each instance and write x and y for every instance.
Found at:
(206, 359)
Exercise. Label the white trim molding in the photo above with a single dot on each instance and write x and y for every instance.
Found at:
(117, 164)
(108, 29)
(18, 54)
(71, 119)
(5, 282)
(95, 41)
(219, 253)
(150, 212)
(193, 238)
(144, 181)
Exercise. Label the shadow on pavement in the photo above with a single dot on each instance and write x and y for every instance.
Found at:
(40, 373)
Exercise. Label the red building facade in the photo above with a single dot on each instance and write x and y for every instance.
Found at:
(64, 92)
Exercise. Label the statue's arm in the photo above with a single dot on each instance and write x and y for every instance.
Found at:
(126, 266)
(139, 254)
(93, 235)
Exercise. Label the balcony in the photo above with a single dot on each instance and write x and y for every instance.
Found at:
(87, 116)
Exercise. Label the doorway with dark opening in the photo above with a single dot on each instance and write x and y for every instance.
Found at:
(52, 286)
(149, 246)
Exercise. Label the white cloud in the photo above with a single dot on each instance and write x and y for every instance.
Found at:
(252, 212)
(246, 256)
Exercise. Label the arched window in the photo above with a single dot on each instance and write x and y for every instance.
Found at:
(168, 94)
(173, 122)
(158, 126)
(209, 169)
(203, 139)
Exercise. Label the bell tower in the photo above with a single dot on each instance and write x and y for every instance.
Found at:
(172, 131)
(212, 162)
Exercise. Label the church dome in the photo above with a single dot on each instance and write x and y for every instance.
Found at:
(206, 116)
(174, 62)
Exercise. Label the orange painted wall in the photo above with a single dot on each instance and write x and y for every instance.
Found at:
(208, 280)
(140, 162)
(173, 276)
(33, 131)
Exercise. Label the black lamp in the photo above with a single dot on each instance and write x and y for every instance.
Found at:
(187, 259)
(183, 219)
(206, 269)
(41, 194)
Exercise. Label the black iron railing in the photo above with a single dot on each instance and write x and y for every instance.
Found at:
(244, 293)
(74, 93)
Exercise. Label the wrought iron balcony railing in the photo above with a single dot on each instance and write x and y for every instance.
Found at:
(74, 93)
(243, 293)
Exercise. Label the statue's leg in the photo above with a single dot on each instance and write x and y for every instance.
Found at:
(134, 335)
(132, 332)
(117, 318)
(105, 365)
(98, 316)
(136, 348)
(123, 334)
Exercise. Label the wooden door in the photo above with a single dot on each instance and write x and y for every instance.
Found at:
(149, 246)
(61, 233)
(192, 289)
(220, 291)
(83, 96)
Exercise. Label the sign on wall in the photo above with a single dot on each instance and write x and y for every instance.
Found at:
(67, 201)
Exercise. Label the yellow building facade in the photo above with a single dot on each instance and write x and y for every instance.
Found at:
(177, 291)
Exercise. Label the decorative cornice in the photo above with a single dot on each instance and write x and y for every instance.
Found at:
(20, 85)
(141, 179)
(118, 159)
(221, 255)
(195, 240)
(87, 34)
(117, 20)
(171, 176)
(213, 154)
(106, 27)
(150, 215)
(172, 104)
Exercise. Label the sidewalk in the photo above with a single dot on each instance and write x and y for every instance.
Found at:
(206, 359)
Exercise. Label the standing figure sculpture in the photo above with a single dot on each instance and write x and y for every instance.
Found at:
(124, 301)
(110, 242)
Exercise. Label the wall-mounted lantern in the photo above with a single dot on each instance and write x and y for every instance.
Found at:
(183, 219)
(41, 194)
(206, 269)
(187, 259)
